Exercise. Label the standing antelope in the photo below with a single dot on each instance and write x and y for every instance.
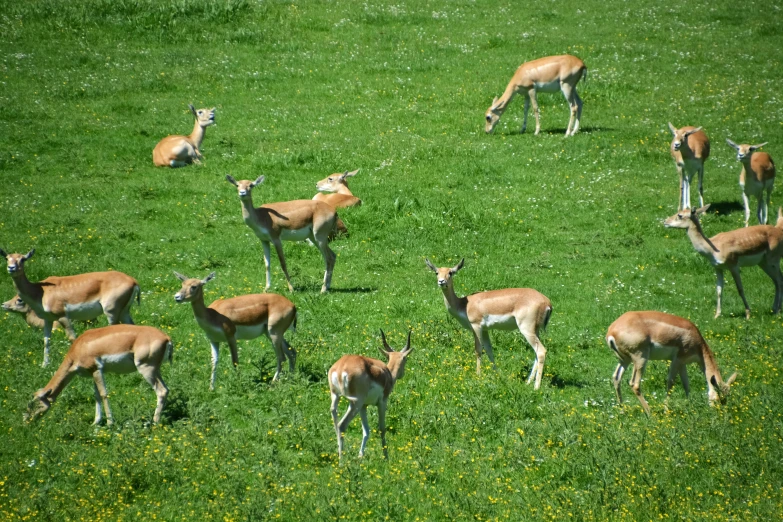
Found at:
(77, 297)
(510, 308)
(365, 382)
(178, 151)
(288, 221)
(760, 245)
(757, 176)
(690, 148)
(548, 74)
(639, 337)
(18, 306)
(334, 191)
(113, 349)
(241, 317)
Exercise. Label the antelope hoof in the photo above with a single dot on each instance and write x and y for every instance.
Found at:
(747, 314)
(717, 314)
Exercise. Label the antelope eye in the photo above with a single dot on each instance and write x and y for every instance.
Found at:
(489, 118)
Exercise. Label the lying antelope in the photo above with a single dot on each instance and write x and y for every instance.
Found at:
(365, 382)
(548, 74)
(18, 306)
(690, 148)
(760, 245)
(639, 337)
(288, 221)
(112, 349)
(178, 151)
(334, 191)
(78, 297)
(242, 317)
(510, 308)
(756, 177)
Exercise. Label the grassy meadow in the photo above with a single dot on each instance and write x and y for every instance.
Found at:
(397, 89)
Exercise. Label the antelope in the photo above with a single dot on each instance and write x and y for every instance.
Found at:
(365, 382)
(78, 297)
(510, 308)
(639, 337)
(112, 349)
(756, 177)
(178, 151)
(18, 306)
(334, 191)
(288, 221)
(542, 75)
(241, 317)
(690, 148)
(760, 245)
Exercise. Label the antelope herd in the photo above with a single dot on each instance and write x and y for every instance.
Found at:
(636, 337)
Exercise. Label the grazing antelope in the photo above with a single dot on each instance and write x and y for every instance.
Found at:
(18, 306)
(118, 348)
(365, 382)
(690, 148)
(241, 317)
(288, 221)
(639, 337)
(334, 191)
(178, 151)
(510, 308)
(548, 74)
(77, 297)
(760, 245)
(757, 176)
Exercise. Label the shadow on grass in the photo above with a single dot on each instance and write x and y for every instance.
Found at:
(561, 131)
(724, 208)
(176, 409)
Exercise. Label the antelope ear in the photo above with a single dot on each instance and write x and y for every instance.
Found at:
(697, 129)
(756, 147)
(213, 109)
(430, 265)
(703, 209)
(193, 110)
(231, 179)
(731, 379)
(494, 100)
(459, 266)
(180, 276)
(209, 278)
(2, 253)
(29, 255)
(672, 128)
(258, 181)
(350, 174)
(714, 382)
(732, 144)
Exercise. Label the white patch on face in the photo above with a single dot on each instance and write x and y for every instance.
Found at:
(660, 352)
(118, 363)
(300, 234)
(553, 86)
(83, 311)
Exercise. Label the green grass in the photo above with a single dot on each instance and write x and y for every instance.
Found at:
(303, 89)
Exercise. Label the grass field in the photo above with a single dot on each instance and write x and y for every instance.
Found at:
(398, 90)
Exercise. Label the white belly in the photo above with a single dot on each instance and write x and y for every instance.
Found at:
(499, 322)
(213, 333)
(250, 332)
(299, 234)
(660, 352)
(117, 363)
(751, 260)
(374, 395)
(83, 311)
(553, 86)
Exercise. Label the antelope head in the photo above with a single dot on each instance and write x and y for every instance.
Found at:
(680, 136)
(744, 151)
(191, 288)
(205, 117)
(16, 262)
